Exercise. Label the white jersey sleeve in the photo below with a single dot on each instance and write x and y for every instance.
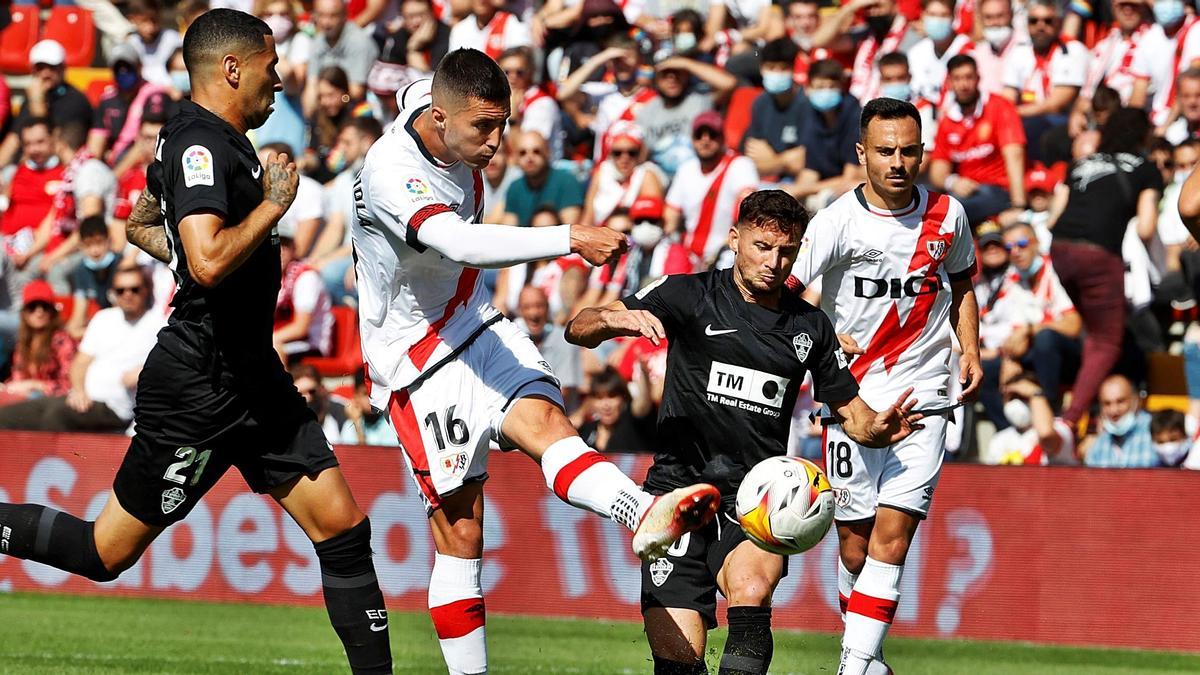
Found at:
(821, 249)
(960, 261)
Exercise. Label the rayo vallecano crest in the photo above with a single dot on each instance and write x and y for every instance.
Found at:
(802, 343)
(936, 249)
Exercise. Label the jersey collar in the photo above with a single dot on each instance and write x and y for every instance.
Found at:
(885, 213)
(411, 129)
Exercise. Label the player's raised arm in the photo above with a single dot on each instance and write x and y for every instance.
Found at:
(597, 324)
(491, 246)
(878, 429)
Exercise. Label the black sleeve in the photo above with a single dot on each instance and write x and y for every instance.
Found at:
(832, 380)
(1148, 177)
(197, 173)
(672, 299)
(75, 107)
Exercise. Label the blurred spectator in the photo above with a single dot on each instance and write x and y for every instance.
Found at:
(1043, 76)
(335, 106)
(623, 90)
(187, 11)
(294, 47)
(1109, 185)
(801, 18)
(338, 43)
(119, 115)
(993, 263)
(895, 81)
(302, 221)
(303, 311)
(181, 80)
(105, 369)
(722, 176)
(131, 176)
(153, 43)
(384, 81)
(534, 108)
(1181, 262)
(753, 21)
(1124, 441)
(773, 139)
(887, 31)
(92, 276)
(1114, 56)
(31, 194)
(331, 415)
(540, 184)
(421, 41)
(830, 135)
(1187, 127)
(1000, 41)
(622, 178)
(616, 422)
(564, 358)
(1168, 430)
(1156, 70)
(46, 95)
(364, 425)
(687, 28)
(929, 58)
(665, 119)
(489, 29)
(1040, 186)
(88, 189)
(979, 153)
(651, 255)
(1034, 435)
(562, 279)
(42, 359)
(497, 176)
(332, 253)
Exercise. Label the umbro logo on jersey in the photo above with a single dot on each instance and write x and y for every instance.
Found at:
(710, 331)
(873, 255)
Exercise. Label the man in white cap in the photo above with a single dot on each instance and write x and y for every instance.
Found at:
(48, 95)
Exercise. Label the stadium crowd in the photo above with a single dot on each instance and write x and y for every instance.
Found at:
(1066, 130)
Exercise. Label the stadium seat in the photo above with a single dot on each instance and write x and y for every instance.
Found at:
(737, 119)
(18, 39)
(74, 29)
(346, 356)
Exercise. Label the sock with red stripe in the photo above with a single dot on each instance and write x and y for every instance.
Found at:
(869, 614)
(584, 478)
(456, 605)
(845, 583)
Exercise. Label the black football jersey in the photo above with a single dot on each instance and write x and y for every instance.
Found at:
(734, 370)
(214, 364)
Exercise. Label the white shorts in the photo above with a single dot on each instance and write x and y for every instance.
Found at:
(902, 476)
(446, 421)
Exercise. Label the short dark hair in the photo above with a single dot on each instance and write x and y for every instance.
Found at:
(222, 31)
(826, 69)
(1126, 130)
(689, 16)
(783, 50)
(893, 59)
(522, 52)
(39, 121)
(367, 126)
(279, 148)
(143, 8)
(74, 133)
(1105, 99)
(959, 60)
(469, 73)
(609, 382)
(302, 371)
(773, 210)
(886, 109)
(1166, 420)
(335, 76)
(93, 226)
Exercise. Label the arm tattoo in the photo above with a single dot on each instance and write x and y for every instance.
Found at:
(279, 185)
(145, 227)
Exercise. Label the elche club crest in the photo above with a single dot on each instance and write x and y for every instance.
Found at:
(659, 571)
(936, 249)
(802, 343)
(172, 498)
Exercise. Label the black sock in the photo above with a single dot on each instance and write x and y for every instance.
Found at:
(34, 532)
(353, 599)
(668, 667)
(749, 647)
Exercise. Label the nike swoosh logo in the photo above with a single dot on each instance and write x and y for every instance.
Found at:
(708, 330)
(378, 628)
(256, 172)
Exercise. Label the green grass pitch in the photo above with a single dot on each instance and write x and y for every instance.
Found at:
(67, 634)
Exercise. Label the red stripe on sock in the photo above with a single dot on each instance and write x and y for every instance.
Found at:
(457, 618)
(568, 474)
(843, 601)
(871, 607)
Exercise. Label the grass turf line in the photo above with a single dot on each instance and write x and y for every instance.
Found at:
(69, 634)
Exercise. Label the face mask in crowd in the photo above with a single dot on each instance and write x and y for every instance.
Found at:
(1168, 12)
(938, 28)
(1122, 425)
(646, 234)
(997, 36)
(776, 81)
(901, 91)
(1018, 414)
(825, 99)
(684, 42)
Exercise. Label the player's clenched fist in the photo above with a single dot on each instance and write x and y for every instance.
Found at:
(280, 180)
(597, 245)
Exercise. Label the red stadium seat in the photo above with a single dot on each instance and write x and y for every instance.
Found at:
(74, 29)
(346, 358)
(737, 119)
(18, 39)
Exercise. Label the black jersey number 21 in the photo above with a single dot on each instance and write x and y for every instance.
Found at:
(839, 459)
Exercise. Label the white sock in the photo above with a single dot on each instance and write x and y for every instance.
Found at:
(869, 614)
(582, 477)
(456, 605)
(845, 583)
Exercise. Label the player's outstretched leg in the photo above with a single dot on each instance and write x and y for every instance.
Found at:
(876, 594)
(748, 578)
(677, 640)
(98, 550)
(322, 506)
(583, 477)
(854, 540)
(455, 586)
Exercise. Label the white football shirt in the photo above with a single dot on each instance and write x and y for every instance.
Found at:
(415, 307)
(705, 234)
(886, 282)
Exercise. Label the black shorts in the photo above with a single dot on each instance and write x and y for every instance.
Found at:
(160, 484)
(688, 579)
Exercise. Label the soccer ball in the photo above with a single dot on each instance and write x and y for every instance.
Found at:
(785, 505)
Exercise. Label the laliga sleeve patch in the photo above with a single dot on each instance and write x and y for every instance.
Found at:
(197, 166)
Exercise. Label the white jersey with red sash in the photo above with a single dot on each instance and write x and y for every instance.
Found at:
(1113, 57)
(885, 281)
(864, 78)
(1161, 68)
(1035, 75)
(707, 218)
(929, 69)
(617, 107)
